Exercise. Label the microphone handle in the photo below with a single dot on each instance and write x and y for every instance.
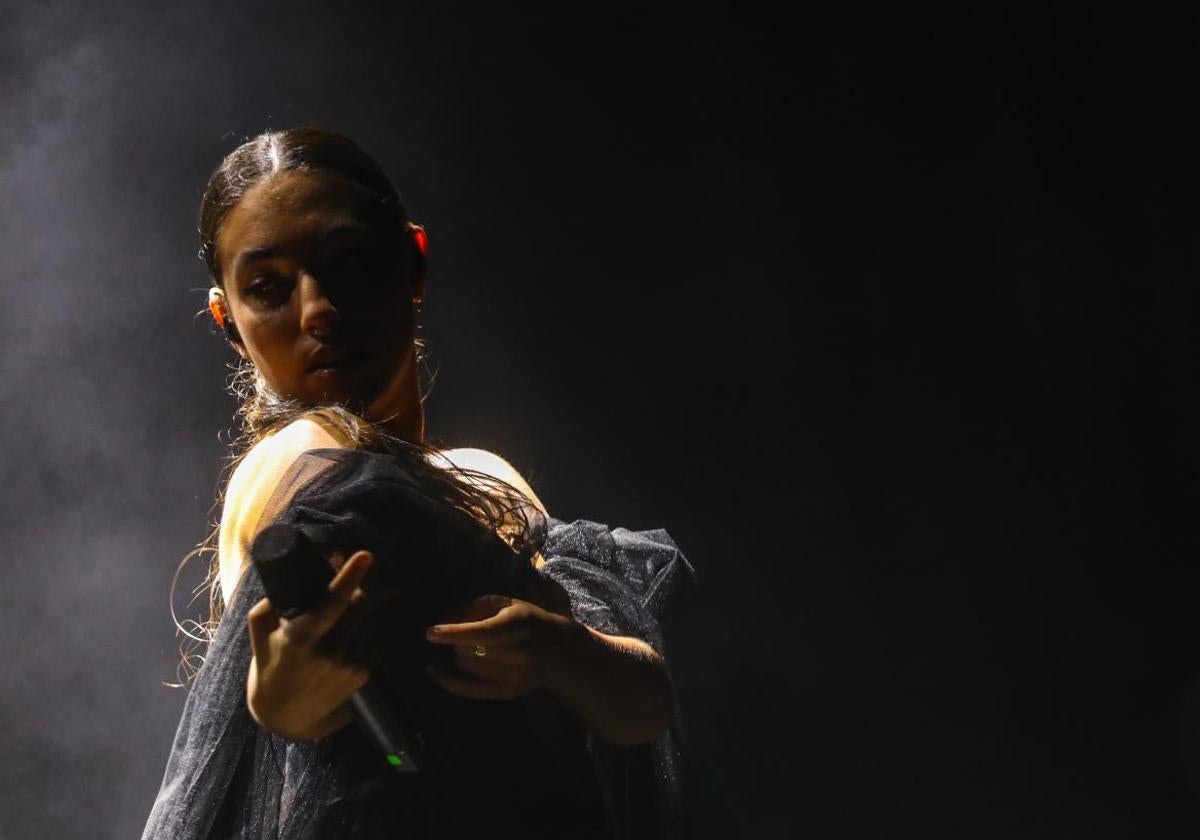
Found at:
(295, 577)
(375, 717)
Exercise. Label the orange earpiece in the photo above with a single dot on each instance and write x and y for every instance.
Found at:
(216, 307)
(420, 239)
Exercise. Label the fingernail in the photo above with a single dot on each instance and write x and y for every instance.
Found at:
(433, 631)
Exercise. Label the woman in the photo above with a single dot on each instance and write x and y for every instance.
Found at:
(318, 275)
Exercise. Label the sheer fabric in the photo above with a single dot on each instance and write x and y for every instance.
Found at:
(523, 763)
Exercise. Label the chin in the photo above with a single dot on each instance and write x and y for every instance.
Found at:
(330, 396)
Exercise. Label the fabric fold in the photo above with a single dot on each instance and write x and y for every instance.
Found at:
(630, 583)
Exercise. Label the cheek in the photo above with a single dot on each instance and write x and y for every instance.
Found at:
(391, 320)
(270, 342)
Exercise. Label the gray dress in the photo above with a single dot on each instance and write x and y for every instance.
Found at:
(524, 763)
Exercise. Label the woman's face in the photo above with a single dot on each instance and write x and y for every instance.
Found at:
(319, 296)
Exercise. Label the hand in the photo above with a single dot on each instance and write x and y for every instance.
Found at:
(305, 668)
(525, 647)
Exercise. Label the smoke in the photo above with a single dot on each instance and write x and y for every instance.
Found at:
(112, 116)
(104, 487)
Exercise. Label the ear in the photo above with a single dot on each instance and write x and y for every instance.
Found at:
(218, 308)
(420, 262)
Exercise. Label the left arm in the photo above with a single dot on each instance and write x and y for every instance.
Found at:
(616, 685)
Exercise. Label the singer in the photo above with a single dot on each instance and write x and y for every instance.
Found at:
(546, 707)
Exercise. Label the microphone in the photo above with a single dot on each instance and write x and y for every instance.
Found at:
(296, 577)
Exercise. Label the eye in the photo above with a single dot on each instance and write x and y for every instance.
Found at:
(267, 287)
(353, 264)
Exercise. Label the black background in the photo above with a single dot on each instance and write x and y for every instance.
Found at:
(884, 313)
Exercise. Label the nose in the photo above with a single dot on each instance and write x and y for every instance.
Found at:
(318, 316)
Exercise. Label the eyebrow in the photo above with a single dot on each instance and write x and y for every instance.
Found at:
(338, 230)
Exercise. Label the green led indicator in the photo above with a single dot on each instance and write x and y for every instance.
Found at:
(395, 760)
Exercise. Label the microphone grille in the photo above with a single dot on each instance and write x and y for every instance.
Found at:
(294, 574)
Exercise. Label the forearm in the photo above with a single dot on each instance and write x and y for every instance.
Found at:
(617, 685)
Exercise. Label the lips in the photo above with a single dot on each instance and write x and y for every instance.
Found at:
(327, 360)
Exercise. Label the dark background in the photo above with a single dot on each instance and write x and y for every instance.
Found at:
(885, 314)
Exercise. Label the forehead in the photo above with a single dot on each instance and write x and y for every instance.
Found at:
(292, 210)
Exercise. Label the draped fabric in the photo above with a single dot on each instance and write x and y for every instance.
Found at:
(527, 764)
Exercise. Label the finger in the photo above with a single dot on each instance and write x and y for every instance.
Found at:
(477, 609)
(261, 620)
(505, 627)
(355, 567)
(345, 640)
(341, 591)
(359, 650)
(495, 609)
(468, 635)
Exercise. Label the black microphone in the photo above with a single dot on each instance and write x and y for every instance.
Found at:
(296, 577)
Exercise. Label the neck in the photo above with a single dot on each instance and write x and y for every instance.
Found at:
(409, 425)
(402, 404)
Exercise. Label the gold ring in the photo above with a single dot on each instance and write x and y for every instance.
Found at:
(480, 651)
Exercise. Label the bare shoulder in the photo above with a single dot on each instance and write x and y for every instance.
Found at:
(272, 455)
(250, 488)
(481, 460)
